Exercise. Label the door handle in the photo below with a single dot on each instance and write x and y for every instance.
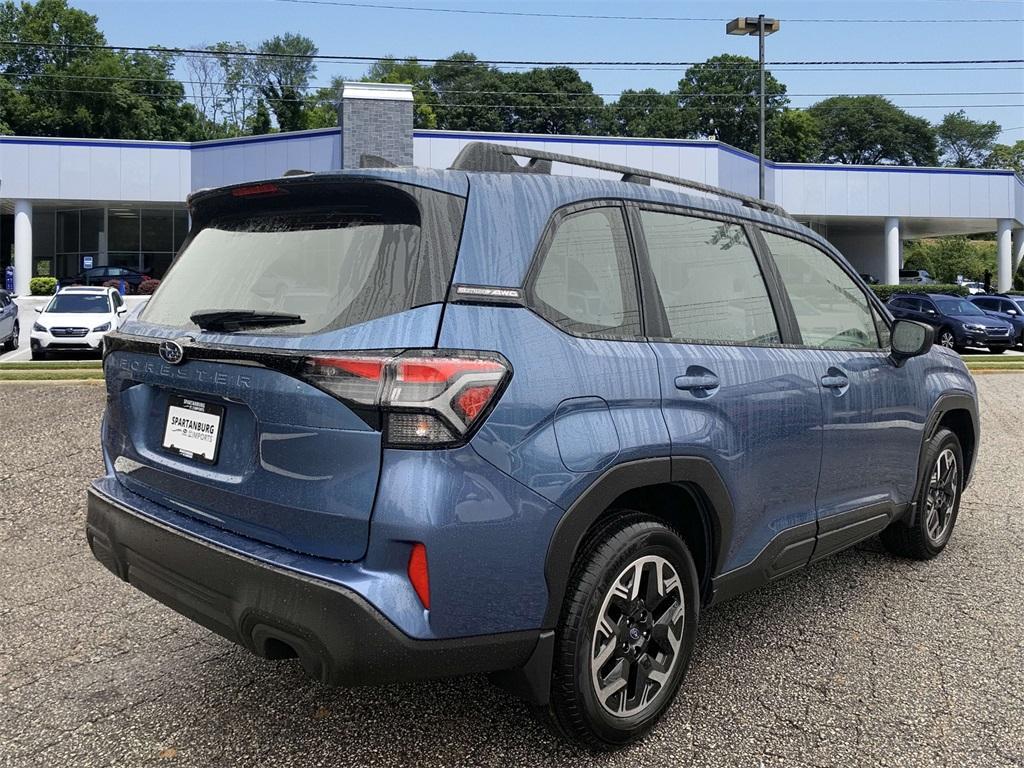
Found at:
(834, 381)
(701, 382)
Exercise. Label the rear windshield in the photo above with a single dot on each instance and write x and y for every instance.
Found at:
(364, 251)
(79, 304)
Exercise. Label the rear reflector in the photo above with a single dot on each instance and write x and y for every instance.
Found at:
(428, 398)
(418, 574)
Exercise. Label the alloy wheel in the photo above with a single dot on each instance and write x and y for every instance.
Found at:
(636, 643)
(940, 498)
(947, 340)
(14, 338)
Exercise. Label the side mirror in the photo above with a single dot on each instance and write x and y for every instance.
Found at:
(39, 310)
(122, 310)
(910, 339)
(1012, 312)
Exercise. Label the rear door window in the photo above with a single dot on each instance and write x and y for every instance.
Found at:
(337, 256)
(708, 279)
(586, 283)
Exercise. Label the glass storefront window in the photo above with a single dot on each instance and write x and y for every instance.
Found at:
(67, 231)
(180, 228)
(157, 230)
(91, 226)
(123, 225)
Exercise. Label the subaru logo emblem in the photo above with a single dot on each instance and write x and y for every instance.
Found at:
(634, 633)
(172, 352)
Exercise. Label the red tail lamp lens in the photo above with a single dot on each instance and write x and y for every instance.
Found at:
(418, 574)
(257, 189)
(470, 401)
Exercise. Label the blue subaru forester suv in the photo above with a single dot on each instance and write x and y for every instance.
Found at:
(406, 423)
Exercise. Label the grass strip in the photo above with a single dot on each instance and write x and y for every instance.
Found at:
(70, 374)
(52, 365)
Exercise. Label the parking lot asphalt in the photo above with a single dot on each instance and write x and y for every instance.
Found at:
(861, 659)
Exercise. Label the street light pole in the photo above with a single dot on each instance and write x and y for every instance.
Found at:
(762, 27)
(760, 67)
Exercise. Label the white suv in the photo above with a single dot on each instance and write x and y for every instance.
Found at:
(77, 318)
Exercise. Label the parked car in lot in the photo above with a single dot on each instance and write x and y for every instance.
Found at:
(101, 275)
(974, 287)
(869, 278)
(9, 327)
(915, 277)
(357, 427)
(1009, 309)
(76, 319)
(958, 323)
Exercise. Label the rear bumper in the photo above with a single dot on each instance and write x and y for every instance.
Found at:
(338, 636)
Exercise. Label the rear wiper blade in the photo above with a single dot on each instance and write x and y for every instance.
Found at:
(229, 320)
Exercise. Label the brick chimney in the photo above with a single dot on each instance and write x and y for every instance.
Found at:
(375, 119)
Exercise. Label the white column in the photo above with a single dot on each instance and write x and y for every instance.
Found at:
(1004, 280)
(893, 254)
(22, 246)
(1016, 249)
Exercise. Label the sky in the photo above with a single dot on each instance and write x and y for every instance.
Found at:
(985, 94)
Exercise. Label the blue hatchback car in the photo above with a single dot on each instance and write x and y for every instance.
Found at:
(406, 423)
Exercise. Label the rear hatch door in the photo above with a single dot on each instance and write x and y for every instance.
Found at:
(232, 433)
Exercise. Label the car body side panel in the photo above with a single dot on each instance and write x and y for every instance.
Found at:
(760, 428)
(872, 429)
(549, 368)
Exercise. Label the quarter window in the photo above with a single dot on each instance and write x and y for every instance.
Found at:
(586, 283)
(831, 309)
(709, 280)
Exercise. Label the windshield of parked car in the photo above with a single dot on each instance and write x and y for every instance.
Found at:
(79, 304)
(957, 307)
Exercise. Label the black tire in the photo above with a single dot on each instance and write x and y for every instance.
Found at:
(918, 541)
(38, 354)
(997, 350)
(630, 548)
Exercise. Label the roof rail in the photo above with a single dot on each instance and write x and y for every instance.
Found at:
(482, 156)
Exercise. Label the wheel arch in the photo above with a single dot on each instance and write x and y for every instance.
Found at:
(957, 412)
(686, 492)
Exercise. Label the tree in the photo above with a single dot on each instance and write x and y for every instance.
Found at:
(470, 95)
(284, 70)
(794, 136)
(720, 100)
(963, 142)
(240, 74)
(1007, 156)
(552, 100)
(872, 130)
(259, 123)
(411, 72)
(646, 113)
(947, 258)
(76, 90)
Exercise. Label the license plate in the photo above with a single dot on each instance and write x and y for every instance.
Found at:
(193, 428)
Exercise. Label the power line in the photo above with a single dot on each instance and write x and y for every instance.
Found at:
(484, 105)
(575, 94)
(538, 63)
(603, 17)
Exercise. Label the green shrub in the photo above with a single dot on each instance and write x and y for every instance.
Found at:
(885, 291)
(42, 286)
(946, 258)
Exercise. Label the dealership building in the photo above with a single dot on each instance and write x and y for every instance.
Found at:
(69, 203)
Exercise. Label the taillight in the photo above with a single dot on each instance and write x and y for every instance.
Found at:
(427, 398)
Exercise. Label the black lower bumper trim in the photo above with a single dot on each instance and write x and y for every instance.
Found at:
(339, 637)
